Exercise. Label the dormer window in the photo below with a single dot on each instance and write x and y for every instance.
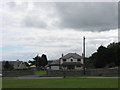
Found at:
(71, 60)
(64, 60)
(78, 59)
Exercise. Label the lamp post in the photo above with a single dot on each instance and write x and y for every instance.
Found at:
(84, 55)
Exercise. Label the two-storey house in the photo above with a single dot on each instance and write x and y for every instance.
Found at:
(71, 61)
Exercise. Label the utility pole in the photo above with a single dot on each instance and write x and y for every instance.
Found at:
(84, 55)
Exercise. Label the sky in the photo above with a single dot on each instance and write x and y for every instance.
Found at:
(53, 28)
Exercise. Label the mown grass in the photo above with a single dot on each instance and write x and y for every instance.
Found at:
(0, 82)
(61, 83)
(40, 72)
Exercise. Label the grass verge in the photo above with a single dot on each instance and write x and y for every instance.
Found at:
(61, 83)
(40, 72)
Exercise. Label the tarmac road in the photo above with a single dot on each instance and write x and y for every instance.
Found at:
(38, 77)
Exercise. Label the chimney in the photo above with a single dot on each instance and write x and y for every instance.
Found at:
(62, 55)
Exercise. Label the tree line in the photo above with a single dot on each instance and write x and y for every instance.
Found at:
(105, 56)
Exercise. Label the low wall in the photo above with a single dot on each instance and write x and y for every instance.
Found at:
(112, 71)
(91, 72)
(15, 73)
(64, 72)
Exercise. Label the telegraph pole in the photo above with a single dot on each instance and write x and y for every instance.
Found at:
(84, 55)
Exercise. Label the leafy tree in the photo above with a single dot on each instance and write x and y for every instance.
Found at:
(39, 62)
(44, 60)
(114, 53)
(26, 64)
(8, 66)
(89, 63)
(31, 62)
(106, 57)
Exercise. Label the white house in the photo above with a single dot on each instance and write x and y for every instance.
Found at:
(71, 61)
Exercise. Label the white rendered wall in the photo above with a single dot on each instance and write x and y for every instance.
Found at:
(69, 60)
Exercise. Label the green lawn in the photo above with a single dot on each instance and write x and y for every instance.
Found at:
(40, 72)
(0, 83)
(61, 83)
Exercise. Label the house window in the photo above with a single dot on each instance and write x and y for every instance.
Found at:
(78, 59)
(64, 60)
(71, 60)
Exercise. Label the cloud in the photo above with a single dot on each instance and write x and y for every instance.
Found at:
(85, 16)
(90, 16)
(16, 6)
(41, 15)
(34, 22)
(53, 28)
(30, 42)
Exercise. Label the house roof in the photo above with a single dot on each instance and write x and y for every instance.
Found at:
(54, 62)
(74, 55)
(16, 64)
(71, 64)
(49, 62)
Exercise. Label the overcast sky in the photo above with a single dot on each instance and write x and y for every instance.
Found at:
(30, 28)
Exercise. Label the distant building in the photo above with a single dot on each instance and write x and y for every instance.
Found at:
(16, 64)
(53, 65)
(68, 61)
(71, 61)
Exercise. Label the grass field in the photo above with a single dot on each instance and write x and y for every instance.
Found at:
(0, 82)
(40, 72)
(61, 83)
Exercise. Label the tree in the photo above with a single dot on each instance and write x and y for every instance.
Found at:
(44, 60)
(114, 53)
(100, 58)
(39, 62)
(26, 63)
(31, 62)
(89, 63)
(8, 66)
(107, 57)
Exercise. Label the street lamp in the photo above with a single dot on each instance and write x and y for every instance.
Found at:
(84, 55)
